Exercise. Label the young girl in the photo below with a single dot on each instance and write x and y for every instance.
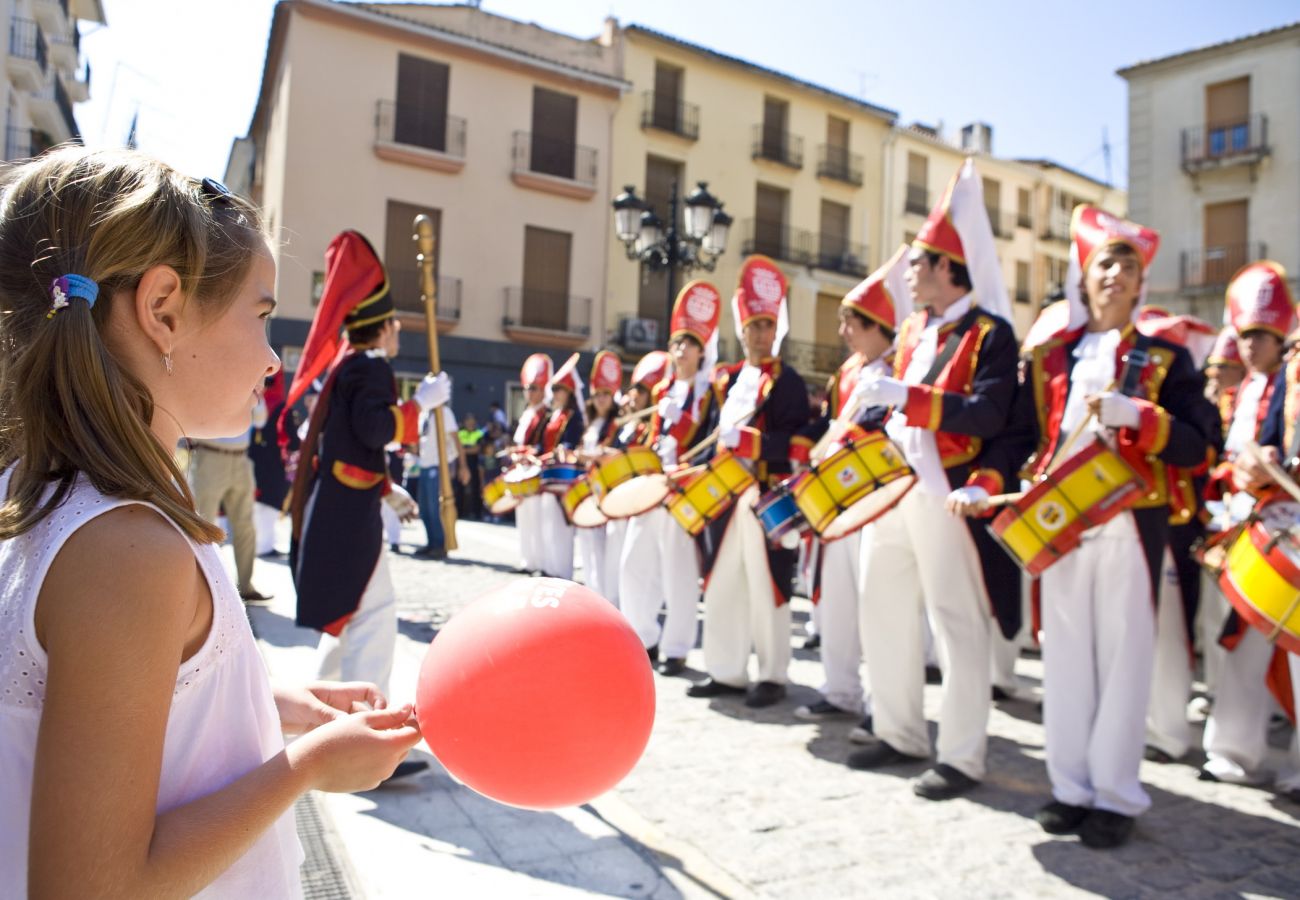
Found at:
(141, 748)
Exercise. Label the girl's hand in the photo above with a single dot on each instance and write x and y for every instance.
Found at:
(303, 707)
(356, 752)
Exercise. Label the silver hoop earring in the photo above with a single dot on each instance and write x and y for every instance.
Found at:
(167, 362)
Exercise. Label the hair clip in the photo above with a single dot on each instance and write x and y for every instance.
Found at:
(64, 288)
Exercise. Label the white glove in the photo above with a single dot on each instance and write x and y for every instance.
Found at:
(434, 391)
(883, 391)
(730, 437)
(1118, 411)
(669, 411)
(966, 501)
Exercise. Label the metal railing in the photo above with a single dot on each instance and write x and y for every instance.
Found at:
(27, 41)
(777, 240)
(1024, 220)
(408, 295)
(777, 146)
(838, 163)
(1057, 226)
(527, 307)
(1204, 145)
(835, 254)
(18, 143)
(417, 126)
(541, 155)
(809, 358)
(1212, 267)
(667, 113)
(917, 199)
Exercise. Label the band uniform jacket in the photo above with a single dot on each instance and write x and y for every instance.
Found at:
(342, 477)
(268, 459)
(563, 430)
(688, 431)
(782, 410)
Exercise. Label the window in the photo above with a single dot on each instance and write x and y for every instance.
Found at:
(554, 139)
(546, 279)
(827, 331)
(770, 237)
(1024, 208)
(399, 253)
(668, 96)
(993, 204)
(653, 301)
(1227, 117)
(1225, 241)
(1022, 282)
(421, 115)
(775, 117)
(833, 239)
(918, 178)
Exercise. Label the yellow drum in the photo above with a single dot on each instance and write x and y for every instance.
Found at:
(497, 498)
(852, 486)
(1088, 489)
(523, 481)
(703, 493)
(1261, 572)
(612, 483)
(580, 506)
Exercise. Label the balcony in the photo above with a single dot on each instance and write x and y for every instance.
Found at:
(839, 164)
(1213, 267)
(811, 358)
(78, 85)
(664, 112)
(776, 240)
(556, 166)
(51, 111)
(408, 297)
(28, 63)
(1025, 220)
(546, 318)
(25, 143)
(54, 15)
(777, 146)
(834, 254)
(411, 134)
(917, 200)
(1210, 147)
(65, 52)
(1057, 226)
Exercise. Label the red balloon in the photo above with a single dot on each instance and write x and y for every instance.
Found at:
(537, 694)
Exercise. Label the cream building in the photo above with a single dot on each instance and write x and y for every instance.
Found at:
(45, 73)
(1214, 163)
(500, 131)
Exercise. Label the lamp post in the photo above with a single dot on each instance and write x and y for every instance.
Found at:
(697, 245)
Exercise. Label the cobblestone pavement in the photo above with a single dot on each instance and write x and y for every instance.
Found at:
(729, 801)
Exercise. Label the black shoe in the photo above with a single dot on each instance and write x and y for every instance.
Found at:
(272, 554)
(254, 596)
(1103, 829)
(1206, 775)
(1293, 795)
(406, 769)
(812, 642)
(673, 665)
(864, 732)
(1000, 694)
(765, 693)
(1156, 755)
(943, 782)
(880, 755)
(933, 675)
(1061, 818)
(396, 548)
(653, 653)
(821, 710)
(711, 688)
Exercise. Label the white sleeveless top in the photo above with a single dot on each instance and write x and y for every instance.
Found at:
(222, 724)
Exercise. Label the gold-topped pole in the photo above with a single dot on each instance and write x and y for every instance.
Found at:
(424, 240)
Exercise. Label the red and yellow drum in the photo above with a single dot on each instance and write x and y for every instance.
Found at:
(1261, 572)
(497, 498)
(580, 506)
(1088, 489)
(620, 486)
(524, 481)
(703, 493)
(852, 486)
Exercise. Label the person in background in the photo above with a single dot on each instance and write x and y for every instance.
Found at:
(430, 498)
(471, 439)
(269, 474)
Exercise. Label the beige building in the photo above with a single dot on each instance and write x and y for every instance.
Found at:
(498, 130)
(1214, 163)
(45, 73)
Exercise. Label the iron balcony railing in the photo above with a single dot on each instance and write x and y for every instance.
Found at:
(838, 163)
(1204, 145)
(666, 112)
(18, 143)
(835, 254)
(27, 41)
(1057, 226)
(778, 146)
(527, 307)
(1213, 267)
(542, 155)
(809, 357)
(418, 126)
(917, 200)
(777, 240)
(408, 295)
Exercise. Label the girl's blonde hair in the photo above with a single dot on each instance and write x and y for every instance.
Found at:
(67, 406)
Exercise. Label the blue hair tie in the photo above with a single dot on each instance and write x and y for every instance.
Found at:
(65, 287)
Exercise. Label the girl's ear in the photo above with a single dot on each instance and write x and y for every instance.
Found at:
(159, 306)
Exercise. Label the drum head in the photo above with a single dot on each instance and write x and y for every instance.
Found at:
(868, 509)
(521, 473)
(506, 503)
(588, 514)
(635, 496)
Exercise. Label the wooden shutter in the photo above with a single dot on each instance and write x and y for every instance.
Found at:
(421, 115)
(1227, 103)
(555, 133)
(1022, 282)
(827, 328)
(668, 96)
(918, 170)
(399, 252)
(652, 294)
(832, 242)
(1024, 207)
(546, 278)
(774, 127)
(1225, 240)
(769, 222)
(837, 132)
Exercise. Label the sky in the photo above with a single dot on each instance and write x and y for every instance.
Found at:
(1043, 75)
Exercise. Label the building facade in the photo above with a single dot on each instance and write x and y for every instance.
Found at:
(1214, 163)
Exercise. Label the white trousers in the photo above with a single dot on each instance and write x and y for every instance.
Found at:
(264, 522)
(740, 610)
(556, 536)
(919, 556)
(363, 651)
(615, 534)
(392, 524)
(1098, 650)
(591, 550)
(1171, 680)
(841, 648)
(528, 522)
(1236, 734)
(659, 570)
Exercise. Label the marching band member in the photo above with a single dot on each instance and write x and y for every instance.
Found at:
(1261, 311)
(659, 565)
(748, 583)
(601, 431)
(1143, 396)
(561, 436)
(955, 379)
(1223, 369)
(535, 377)
(870, 315)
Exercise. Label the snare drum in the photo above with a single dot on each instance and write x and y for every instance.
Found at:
(612, 483)
(580, 506)
(707, 492)
(853, 486)
(558, 477)
(523, 481)
(779, 515)
(1261, 572)
(497, 498)
(1087, 490)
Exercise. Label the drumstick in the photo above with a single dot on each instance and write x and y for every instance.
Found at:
(1276, 472)
(1004, 499)
(635, 416)
(1063, 452)
(835, 430)
(713, 438)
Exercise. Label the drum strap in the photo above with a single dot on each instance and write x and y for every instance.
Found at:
(1134, 362)
(964, 324)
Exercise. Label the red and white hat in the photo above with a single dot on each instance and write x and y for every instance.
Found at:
(567, 376)
(1225, 351)
(881, 296)
(651, 369)
(536, 371)
(760, 294)
(696, 313)
(1260, 300)
(1091, 230)
(606, 372)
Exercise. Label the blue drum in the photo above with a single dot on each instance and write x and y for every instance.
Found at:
(558, 477)
(780, 517)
